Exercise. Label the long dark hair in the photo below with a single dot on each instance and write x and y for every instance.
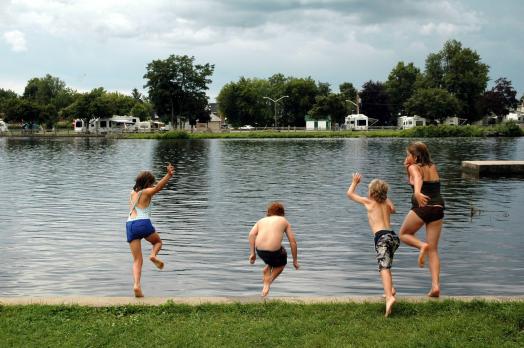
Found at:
(144, 180)
(420, 152)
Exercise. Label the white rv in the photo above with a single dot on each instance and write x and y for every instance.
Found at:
(406, 122)
(3, 126)
(357, 122)
(150, 126)
(115, 123)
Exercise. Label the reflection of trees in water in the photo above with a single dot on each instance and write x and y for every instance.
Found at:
(185, 197)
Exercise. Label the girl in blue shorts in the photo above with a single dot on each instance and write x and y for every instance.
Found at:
(139, 224)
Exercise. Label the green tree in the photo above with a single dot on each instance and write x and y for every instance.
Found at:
(435, 104)
(23, 110)
(375, 102)
(332, 106)
(459, 71)
(6, 96)
(500, 100)
(143, 110)
(301, 94)
(401, 85)
(176, 84)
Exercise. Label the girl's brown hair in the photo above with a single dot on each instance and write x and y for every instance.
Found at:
(420, 152)
(144, 180)
(275, 208)
(378, 190)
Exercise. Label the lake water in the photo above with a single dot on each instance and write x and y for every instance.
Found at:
(63, 207)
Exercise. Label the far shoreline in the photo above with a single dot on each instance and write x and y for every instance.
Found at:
(501, 130)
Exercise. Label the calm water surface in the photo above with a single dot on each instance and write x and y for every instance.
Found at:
(63, 207)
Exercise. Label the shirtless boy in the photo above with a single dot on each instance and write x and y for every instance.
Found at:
(379, 209)
(266, 237)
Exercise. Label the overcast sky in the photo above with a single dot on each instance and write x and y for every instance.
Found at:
(108, 43)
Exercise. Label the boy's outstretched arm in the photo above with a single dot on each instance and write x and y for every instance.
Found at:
(252, 237)
(351, 190)
(293, 244)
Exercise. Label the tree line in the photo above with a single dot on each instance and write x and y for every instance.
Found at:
(453, 83)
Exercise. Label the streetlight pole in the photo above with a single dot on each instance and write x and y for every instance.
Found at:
(275, 103)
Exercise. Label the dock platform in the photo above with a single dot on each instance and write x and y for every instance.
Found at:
(488, 168)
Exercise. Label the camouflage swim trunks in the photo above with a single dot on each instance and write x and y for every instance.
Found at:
(386, 243)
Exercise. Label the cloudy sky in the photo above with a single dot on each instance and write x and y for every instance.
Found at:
(108, 43)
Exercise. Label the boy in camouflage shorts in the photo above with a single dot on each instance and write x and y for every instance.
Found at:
(379, 209)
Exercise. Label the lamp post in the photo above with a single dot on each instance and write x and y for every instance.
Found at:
(275, 103)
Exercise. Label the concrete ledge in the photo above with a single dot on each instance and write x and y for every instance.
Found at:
(493, 167)
(96, 301)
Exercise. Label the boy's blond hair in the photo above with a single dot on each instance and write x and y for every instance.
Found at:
(378, 190)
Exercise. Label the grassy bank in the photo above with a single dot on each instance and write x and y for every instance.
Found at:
(443, 324)
(502, 130)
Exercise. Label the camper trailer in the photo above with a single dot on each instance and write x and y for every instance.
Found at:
(115, 123)
(3, 126)
(357, 122)
(406, 122)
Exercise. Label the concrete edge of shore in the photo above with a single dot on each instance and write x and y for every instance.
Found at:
(101, 301)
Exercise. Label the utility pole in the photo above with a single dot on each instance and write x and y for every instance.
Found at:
(275, 103)
(357, 99)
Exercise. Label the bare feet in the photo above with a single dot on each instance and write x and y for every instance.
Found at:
(159, 264)
(422, 255)
(138, 291)
(393, 292)
(267, 281)
(389, 305)
(435, 292)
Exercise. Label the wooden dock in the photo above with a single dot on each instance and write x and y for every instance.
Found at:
(498, 168)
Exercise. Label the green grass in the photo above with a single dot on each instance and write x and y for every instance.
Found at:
(431, 324)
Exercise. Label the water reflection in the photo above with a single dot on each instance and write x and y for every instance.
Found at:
(63, 205)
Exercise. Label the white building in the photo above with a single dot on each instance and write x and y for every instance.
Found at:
(511, 117)
(406, 122)
(357, 122)
(312, 124)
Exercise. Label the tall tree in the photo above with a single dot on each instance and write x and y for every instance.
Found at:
(460, 71)
(6, 95)
(401, 85)
(301, 94)
(435, 104)
(176, 84)
(349, 93)
(375, 102)
(332, 106)
(500, 99)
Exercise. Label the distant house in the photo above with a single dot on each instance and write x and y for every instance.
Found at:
(357, 122)
(320, 124)
(3, 126)
(406, 122)
(213, 125)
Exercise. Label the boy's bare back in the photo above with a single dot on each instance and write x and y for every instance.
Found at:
(271, 231)
(379, 215)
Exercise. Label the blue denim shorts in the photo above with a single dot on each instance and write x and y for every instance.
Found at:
(138, 229)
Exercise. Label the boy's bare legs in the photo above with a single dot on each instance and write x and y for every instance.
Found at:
(433, 230)
(155, 240)
(412, 223)
(266, 279)
(387, 282)
(136, 252)
(269, 277)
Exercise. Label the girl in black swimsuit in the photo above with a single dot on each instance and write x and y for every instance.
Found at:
(427, 210)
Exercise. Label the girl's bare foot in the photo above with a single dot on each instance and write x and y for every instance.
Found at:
(422, 255)
(389, 305)
(393, 292)
(159, 264)
(267, 281)
(435, 292)
(138, 291)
